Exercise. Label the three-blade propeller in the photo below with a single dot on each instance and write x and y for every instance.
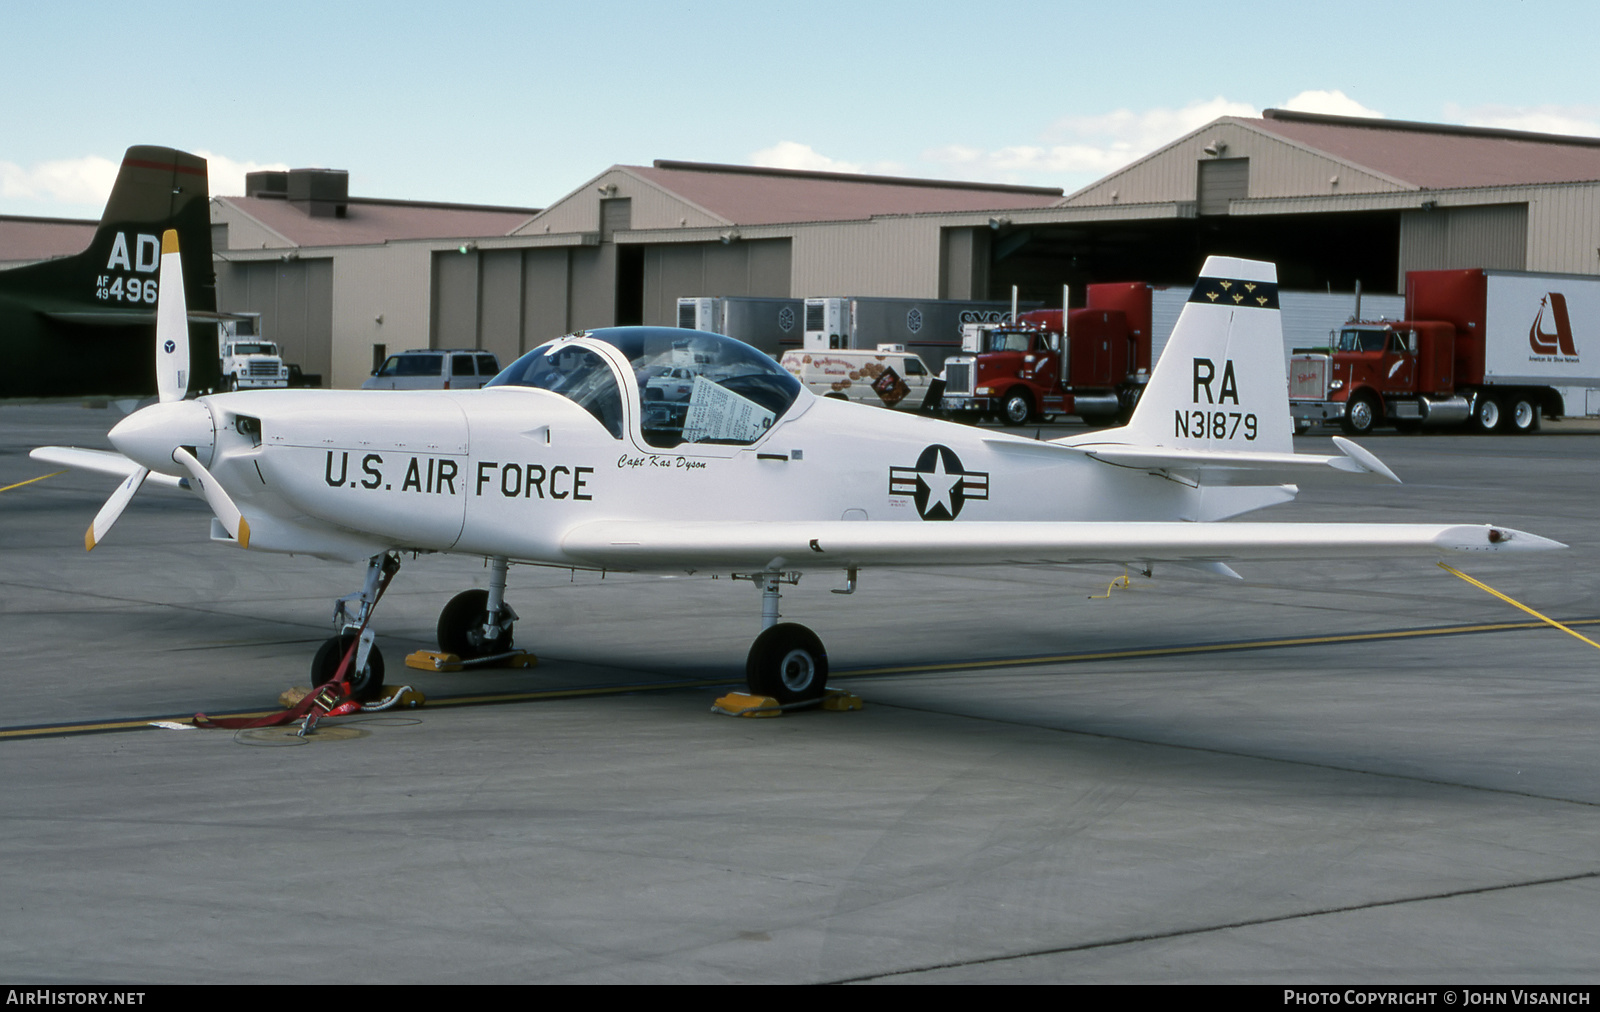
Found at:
(172, 384)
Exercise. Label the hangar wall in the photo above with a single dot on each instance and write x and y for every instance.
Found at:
(295, 300)
(894, 257)
(1493, 236)
(751, 267)
(1277, 168)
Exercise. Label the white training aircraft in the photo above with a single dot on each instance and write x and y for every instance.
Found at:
(572, 458)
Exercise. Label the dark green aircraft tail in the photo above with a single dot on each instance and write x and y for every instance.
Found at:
(84, 325)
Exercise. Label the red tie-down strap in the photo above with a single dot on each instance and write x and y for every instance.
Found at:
(332, 698)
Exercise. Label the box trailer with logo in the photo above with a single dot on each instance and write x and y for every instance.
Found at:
(771, 324)
(1494, 349)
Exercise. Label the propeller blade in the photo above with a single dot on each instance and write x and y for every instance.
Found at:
(172, 323)
(113, 508)
(238, 528)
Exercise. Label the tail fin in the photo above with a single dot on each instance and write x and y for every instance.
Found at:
(1220, 383)
(88, 331)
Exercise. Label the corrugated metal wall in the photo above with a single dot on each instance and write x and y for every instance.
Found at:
(964, 263)
(1494, 236)
(1278, 169)
(295, 300)
(750, 267)
(895, 257)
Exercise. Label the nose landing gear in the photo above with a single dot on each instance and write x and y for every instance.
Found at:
(351, 648)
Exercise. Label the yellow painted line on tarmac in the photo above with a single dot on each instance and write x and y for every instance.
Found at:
(495, 698)
(1518, 604)
(30, 481)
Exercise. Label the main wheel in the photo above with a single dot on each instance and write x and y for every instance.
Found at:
(787, 662)
(1524, 415)
(1360, 416)
(461, 627)
(1018, 409)
(365, 685)
(1486, 415)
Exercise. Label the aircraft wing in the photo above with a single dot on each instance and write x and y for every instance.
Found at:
(1215, 466)
(100, 462)
(793, 544)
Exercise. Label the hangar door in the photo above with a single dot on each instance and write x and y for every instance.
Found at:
(295, 300)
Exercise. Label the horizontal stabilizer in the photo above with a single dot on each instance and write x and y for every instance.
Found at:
(799, 545)
(1254, 467)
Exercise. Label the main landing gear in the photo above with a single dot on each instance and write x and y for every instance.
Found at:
(478, 623)
(787, 661)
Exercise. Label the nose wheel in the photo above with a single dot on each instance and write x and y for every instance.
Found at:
(366, 683)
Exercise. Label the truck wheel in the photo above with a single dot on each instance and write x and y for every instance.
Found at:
(1360, 416)
(1524, 416)
(233, 383)
(1486, 415)
(1018, 409)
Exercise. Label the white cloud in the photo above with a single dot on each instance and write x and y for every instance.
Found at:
(1582, 120)
(794, 155)
(1089, 146)
(1330, 103)
(79, 187)
(59, 186)
(226, 176)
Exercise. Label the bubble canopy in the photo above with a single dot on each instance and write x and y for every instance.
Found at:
(693, 386)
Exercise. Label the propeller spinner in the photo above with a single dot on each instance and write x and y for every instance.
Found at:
(160, 435)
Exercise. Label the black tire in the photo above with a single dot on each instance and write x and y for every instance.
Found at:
(233, 383)
(1018, 409)
(1360, 415)
(788, 663)
(365, 685)
(461, 627)
(1486, 415)
(1523, 417)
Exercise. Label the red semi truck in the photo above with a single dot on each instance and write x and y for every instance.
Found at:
(1025, 370)
(1493, 349)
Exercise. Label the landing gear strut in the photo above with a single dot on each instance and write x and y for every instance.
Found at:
(352, 617)
(787, 661)
(478, 623)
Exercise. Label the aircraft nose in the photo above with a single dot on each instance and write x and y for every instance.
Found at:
(149, 435)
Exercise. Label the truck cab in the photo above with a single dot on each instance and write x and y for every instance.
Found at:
(247, 361)
(1375, 373)
(1094, 367)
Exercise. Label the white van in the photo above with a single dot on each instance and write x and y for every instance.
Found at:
(890, 377)
(435, 369)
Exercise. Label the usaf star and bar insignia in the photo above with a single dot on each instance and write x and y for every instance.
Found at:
(939, 485)
(1233, 292)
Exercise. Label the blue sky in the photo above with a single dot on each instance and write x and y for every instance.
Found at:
(520, 103)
